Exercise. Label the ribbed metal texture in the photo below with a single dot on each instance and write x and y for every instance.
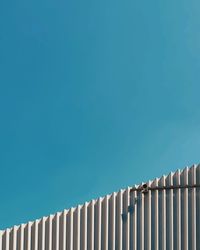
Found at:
(164, 219)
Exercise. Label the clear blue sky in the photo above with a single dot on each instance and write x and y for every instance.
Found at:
(94, 96)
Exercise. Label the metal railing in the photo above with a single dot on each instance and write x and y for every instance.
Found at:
(163, 214)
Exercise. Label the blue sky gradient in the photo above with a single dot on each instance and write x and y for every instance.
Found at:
(94, 96)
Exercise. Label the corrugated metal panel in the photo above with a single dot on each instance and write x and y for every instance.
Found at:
(163, 218)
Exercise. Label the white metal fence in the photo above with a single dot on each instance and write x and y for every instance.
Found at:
(163, 215)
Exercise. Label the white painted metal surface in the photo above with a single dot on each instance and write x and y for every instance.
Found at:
(159, 219)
